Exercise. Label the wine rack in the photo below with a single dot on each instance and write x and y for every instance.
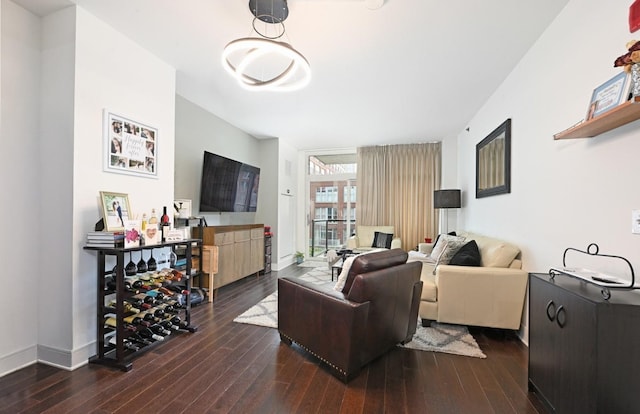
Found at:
(113, 302)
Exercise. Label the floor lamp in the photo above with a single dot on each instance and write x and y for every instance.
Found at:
(446, 199)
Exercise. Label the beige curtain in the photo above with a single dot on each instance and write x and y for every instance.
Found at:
(395, 187)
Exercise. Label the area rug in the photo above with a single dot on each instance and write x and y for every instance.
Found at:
(451, 339)
(265, 313)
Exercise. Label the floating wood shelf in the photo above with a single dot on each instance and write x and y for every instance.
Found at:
(612, 119)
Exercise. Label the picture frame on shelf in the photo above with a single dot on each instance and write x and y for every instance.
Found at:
(130, 147)
(182, 204)
(609, 95)
(115, 210)
(132, 233)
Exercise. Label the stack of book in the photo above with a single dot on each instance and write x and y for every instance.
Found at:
(105, 239)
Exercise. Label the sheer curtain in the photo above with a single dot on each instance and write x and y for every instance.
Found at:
(395, 187)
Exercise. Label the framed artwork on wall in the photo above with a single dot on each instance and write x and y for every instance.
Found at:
(493, 162)
(115, 210)
(130, 147)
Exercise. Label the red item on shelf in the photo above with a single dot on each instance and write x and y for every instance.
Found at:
(634, 16)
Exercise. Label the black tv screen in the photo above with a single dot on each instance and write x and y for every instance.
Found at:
(228, 185)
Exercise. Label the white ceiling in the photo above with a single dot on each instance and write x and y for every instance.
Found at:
(409, 71)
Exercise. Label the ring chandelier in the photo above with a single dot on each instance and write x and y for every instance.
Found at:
(265, 63)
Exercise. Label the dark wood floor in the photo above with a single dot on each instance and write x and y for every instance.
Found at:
(238, 368)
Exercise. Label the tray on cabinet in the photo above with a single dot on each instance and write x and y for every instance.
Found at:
(605, 281)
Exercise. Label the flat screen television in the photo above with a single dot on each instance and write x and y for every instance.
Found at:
(228, 185)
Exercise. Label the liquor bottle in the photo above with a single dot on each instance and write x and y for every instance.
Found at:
(164, 223)
(143, 228)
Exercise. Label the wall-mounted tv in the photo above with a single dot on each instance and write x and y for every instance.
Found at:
(228, 185)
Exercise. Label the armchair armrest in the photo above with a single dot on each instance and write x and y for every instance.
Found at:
(483, 296)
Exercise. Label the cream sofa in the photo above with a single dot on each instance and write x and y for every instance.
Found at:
(491, 295)
(363, 238)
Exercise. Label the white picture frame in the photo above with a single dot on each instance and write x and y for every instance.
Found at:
(130, 147)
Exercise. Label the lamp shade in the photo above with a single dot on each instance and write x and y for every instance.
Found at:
(446, 199)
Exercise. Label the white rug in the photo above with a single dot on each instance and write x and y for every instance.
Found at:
(265, 313)
(451, 339)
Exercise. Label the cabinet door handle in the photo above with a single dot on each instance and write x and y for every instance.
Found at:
(562, 322)
(551, 311)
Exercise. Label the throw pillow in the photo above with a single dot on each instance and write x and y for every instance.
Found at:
(467, 255)
(342, 278)
(453, 245)
(441, 245)
(382, 240)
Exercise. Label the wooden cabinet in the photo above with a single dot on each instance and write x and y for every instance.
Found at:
(240, 250)
(582, 348)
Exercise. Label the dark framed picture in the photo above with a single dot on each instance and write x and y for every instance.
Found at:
(493, 162)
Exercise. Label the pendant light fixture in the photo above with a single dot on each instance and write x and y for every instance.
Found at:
(264, 62)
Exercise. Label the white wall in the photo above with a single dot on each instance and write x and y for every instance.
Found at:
(142, 90)
(58, 76)
(564, 193)
(19, 112)
(198, 130)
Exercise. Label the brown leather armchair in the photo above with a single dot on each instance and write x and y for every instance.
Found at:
(376, 310)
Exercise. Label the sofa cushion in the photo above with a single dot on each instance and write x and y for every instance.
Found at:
(429, 287)
(467, 255)
(494, 252)
(382, 240)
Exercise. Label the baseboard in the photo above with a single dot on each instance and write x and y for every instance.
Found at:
(65, 359)
(18, 360)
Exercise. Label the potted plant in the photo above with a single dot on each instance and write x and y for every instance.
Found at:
(299, 257)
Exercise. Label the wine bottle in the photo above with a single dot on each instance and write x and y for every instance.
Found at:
(168, 325)
(113, 323)
(140, 340)
(148, 334)
(179, 322)
(164, 224)
(159, 330)
(127, 344)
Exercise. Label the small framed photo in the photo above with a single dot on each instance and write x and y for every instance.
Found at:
(609, 95)
(115, 210)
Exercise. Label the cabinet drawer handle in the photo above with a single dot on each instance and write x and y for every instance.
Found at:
(551, 310)
(562, 322)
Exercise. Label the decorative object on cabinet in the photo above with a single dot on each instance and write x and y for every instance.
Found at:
(182, 208)
(609, 95)
(493, 162)
(604, 281)
(582, 347)
(115, 210)
(130, 147)
(129, 305)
